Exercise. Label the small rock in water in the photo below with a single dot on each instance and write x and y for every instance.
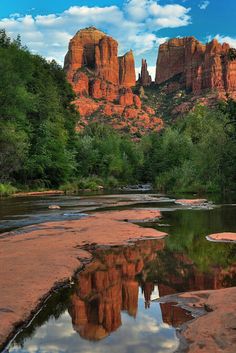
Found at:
(225, 236)
(54, 207)
(192, 202)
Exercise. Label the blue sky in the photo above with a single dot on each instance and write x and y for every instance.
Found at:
(46, 26)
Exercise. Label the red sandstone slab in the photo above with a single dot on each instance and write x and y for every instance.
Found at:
(214, 331)
(39, 193)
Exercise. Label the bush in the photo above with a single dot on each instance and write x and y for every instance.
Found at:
(81, 184)
(7, 189)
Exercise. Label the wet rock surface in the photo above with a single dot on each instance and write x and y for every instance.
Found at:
(214, 330)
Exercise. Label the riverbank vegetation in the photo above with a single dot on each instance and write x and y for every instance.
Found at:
(39, 146)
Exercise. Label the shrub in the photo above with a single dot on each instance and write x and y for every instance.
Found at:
(7, 189)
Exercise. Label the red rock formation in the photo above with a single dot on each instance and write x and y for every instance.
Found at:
(197, 67)
(100, 89)
(106, 60)
(94, 50)
(127, 98)
(96, 53)
(137, 102)
(87, 106)
(144, 78)
(127, 70)
(81, 83)
(102, 82)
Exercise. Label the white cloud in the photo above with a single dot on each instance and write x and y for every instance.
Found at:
(204, 4)
(226, 39)
(135, 26)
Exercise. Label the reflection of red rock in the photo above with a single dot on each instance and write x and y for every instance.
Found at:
(188, 278)
(107, 286)
(130, 297)
(174, 315)
(197, 66)
(147, 289)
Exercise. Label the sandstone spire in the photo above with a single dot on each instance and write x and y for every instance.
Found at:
(127, 70)
(144, 78)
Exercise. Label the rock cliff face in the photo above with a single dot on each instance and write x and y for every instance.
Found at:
(93, 66)
(102, 82)
(127, 70)
(96, 52)
(144, 78)
(197, 67)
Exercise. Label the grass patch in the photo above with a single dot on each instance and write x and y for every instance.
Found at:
(7, 189)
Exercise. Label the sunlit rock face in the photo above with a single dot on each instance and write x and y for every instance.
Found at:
(127, 76)
(95, 53)
(197, 67)
(97, 73)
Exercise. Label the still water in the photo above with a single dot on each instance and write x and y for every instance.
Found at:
(109, 307)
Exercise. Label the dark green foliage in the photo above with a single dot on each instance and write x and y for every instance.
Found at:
(232, 54)
(37, 126)
(103, 152)
(228, 107)
(194, 155)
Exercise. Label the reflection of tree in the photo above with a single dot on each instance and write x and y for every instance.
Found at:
(188, 231)
(177, 272)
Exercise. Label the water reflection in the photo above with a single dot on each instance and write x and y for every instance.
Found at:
(109, 286)
(111, 308)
